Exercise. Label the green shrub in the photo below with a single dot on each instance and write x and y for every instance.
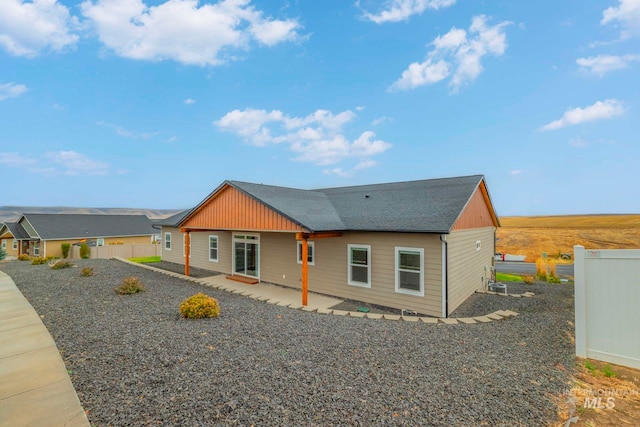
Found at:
(51, 257)
(84, 251)
(87, 272)
(130, 285)
(608, 372)
(24, 257)
(553, 279)
(199, 306)
(61, 264)
(528, 279)
(65, 249)
(38, 261)
(3, 253)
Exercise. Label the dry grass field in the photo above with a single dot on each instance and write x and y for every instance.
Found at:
(533, 235)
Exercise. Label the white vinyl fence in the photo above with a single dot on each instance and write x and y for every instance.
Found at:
(123, 251)
(607, 304)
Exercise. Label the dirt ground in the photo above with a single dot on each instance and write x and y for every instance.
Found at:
(598, 400)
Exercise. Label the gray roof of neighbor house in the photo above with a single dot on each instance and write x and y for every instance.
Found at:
(428, 206)
(71, 226)
(18, 232)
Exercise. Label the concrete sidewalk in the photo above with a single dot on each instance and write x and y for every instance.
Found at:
(35, 389)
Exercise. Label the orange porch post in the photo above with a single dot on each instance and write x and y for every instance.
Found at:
(187, 252)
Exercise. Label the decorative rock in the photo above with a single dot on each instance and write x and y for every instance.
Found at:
(340, 312)
(431, 320)
(392, 316)
(449, 321)
(494, 316)
(324, 311)
(356, 314)
(410, 318)
(467, 320)
(482, 319)
(374, 316)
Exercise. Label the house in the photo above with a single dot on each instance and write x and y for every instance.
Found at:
(420, 245)
(42, 234)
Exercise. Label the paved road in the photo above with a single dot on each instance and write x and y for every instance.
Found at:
(562, 270)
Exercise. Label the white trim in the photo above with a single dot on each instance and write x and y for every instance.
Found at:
(184, 244)
(349, 265)
(443, 267)
(36, 246)
(214, 236)
(397, 271)
(164, 242)
(14, 244)
(580, 301)
(299, 252)
(99, 241)
(478, 245)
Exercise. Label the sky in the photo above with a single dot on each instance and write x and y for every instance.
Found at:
(153, 103)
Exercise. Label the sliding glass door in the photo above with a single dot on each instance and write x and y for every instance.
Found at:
(246, 255)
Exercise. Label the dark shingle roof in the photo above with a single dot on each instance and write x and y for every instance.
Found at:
(427, 206)
(18, 232)
(311, 209)
(69, 226)
(173, 220)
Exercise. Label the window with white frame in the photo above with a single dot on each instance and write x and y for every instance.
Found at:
(4, 243)
(14, 244)
(410, 271)
(213, 248)
(167, 241)
(359, 265)
(478, 245)
(310, 252)
(36, 249)
(184, 244)
(99, 242)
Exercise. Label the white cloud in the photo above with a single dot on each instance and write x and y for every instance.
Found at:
(189, 101)
(515, 172)
(382, 120)
(626, 15)
(602, 64)
(29, 27)
(125, 133)
(457, 55)
(600, 110)
(11, 90)
(317, 138)
(578, 143)
(56, 163)
(183, 30)
(74, 163)
(402, 10)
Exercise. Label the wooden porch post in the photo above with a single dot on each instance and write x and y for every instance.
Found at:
(187, 252)
(305, 269)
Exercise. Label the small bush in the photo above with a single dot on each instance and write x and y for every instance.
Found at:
(24, 257)
(3, 254)
(528, 279)
(38, 261)
(541, 269)
(60, 265)
(608, 372)
(51, 257)
(199, 306)
(130, 285)
(87, 272)
(65, 249)
(84, 251)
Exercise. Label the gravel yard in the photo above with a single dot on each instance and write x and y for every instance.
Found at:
(135, 362)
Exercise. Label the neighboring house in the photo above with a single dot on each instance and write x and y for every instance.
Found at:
(43, 234)
(420, 245)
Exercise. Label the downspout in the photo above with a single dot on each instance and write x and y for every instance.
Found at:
(445, 275)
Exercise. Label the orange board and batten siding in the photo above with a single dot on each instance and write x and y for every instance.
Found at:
(231, 209)
(478, 212)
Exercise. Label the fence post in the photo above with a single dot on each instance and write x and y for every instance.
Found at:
(580, 299)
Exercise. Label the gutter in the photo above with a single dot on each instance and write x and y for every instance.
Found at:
(445, 275)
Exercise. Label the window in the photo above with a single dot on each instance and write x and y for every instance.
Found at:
(167, 241)
(4, 244)
(36, 249)
(478, 245)
(15, 244)
(410, 271)
(99, 242)
(311, 251)
(359, 265)
(213, 248)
